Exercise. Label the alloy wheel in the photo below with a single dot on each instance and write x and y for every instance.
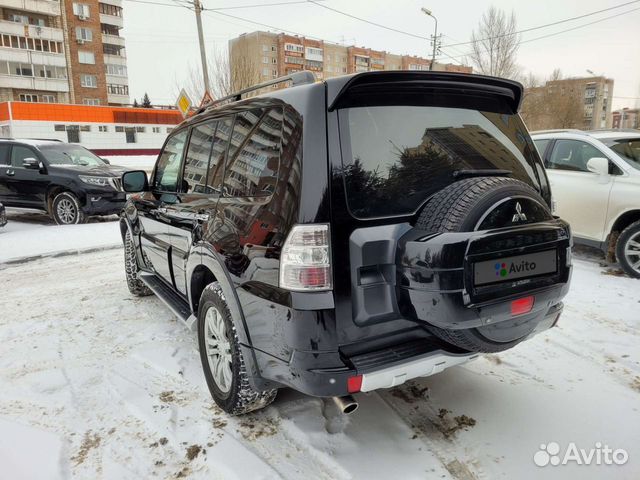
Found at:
(218, 349)
(632, 252)
(66, 211)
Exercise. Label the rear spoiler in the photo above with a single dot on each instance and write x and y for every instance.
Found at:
(461, 90)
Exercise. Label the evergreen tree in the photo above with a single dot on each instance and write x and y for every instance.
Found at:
(146, 102)
(135, 103)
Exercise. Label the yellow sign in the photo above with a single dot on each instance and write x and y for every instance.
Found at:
(183, 103)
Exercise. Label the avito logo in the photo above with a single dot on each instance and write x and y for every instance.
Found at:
(504, 269)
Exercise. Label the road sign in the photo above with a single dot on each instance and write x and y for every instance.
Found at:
(206, 99)
(183, 103)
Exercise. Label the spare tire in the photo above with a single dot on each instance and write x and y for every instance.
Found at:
(475, 204)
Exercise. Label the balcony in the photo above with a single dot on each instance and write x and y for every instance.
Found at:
(35, 83)
(117, 80)
(45, 7)
(117, 3)
(43, 33)
(118, 99)
(115, 59)
(29, 56)
(111, 20)
(113, 40)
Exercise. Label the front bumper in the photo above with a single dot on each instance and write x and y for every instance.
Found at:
(104, 203)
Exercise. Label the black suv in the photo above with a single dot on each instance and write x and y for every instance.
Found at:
(349, 235)
(65, 180)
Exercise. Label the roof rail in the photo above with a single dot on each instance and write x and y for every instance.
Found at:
(302, 77)
(614, 130)
(560, 130)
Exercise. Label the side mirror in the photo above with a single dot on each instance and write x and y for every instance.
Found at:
(599, 165)
(135, 181)
(31, 163)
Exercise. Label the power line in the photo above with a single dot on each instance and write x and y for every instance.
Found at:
(567, 29)
(315, 2)
(187, 4)
(546, 25)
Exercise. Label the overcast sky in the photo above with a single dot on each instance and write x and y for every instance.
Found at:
(162, 40)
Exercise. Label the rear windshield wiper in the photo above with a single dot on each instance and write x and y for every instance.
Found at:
(489, 172)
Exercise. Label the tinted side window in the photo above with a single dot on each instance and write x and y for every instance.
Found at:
(19, 153)
(168, 166)
(541, 145)
(218, 152)
(572, 155)
(197, 159)
(4, 154)
(254, 154)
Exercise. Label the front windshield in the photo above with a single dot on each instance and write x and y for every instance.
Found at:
(66, 154)
(628, 149)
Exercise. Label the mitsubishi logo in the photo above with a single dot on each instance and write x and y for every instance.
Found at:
(519, 216)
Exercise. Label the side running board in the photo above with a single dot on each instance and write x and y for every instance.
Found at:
(168, 295)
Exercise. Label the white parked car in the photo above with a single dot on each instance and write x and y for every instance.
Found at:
(595, 183)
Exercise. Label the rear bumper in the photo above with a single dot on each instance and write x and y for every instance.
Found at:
(382, 368)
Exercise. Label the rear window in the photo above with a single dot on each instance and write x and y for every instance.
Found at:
(628, 149)
(396, 157)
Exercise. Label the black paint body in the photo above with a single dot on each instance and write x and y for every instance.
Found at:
(381, 296)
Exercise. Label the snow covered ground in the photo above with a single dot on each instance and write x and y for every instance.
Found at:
(134, 162)
(95, 383)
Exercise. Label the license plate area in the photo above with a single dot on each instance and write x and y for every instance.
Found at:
(515, 268)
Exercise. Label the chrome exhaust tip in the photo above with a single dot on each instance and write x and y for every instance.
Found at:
(346, 404)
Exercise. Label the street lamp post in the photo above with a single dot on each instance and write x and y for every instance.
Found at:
(426, 11)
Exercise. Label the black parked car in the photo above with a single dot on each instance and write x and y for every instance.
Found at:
(3, 216)
(65, 180)
(349, 235)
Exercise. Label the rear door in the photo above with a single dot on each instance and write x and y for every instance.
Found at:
(581, 196)
(198, 194)
(152, 206)
(5, 164)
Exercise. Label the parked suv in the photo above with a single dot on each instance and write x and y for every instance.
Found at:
(595, 179)
(65, 180)
(348, 235)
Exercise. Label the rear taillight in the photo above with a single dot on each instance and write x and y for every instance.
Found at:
(305, 262)
(522, 305)
(354, 384)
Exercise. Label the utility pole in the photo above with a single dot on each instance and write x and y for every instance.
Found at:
(434, 38)
(197, 7)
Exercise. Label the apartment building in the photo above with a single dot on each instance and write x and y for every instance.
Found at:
(276, 54)
(63, 51)
(583, 103)
(626, 118)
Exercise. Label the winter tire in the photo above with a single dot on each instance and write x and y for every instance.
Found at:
(221, 356)
(628, 250)
(66, 209)
(460, 207)
(131, 269)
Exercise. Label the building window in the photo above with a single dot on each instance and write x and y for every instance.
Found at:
(265, 48)
(86, 57)
(313, 54)
(103, 128)
(83, 34)
(91, 101)
(274, 73)
(85, 128)
(59, 128)
(28, 97)
(274, 60)
(109, 49)
(130, 134)
(265, 59)
(169, 129)
(141, 129)
(119, 129)
(115, 70)
(81, 10)
(265, 72)
(155, 129)
(117, 89)
(38, 45)
(293, 47)
(110, 10)
(73, 134)
(48, 99)
(89, 81)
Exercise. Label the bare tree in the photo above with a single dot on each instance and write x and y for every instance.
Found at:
(553, 105)
(225, 76)
(495, 44)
